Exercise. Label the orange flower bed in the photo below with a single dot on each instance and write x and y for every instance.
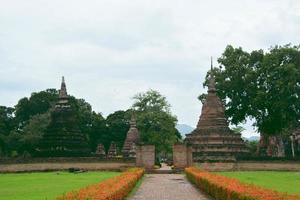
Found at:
(224, 188)
(116, 188)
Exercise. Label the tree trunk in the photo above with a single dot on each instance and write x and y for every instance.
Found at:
(271, 146)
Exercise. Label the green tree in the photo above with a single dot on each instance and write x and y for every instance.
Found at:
(155, 121)
(37, 103)
(33, 132)
(98, 132)
(118, 126)
(7, 124)
(263, 86)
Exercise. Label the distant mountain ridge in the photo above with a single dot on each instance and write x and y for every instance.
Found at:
(253, 138)
(184, 129)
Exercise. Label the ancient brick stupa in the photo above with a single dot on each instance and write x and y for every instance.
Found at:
(63, 136)
(132, 138)
(100, 151)
(112, 152)
(212, 140)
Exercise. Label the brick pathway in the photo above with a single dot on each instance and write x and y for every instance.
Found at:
(167, 187)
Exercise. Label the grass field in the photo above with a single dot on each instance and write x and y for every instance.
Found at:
(288, 182)
(48, 185)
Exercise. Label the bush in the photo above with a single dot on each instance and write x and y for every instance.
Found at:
(224, 188)
(116, 188)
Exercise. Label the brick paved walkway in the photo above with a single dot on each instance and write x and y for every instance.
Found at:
(167, 187)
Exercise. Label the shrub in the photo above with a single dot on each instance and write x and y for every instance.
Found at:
(225, 188)
(116, 188)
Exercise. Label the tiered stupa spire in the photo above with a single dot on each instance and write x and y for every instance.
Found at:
(63, 98)
(212, 139)
(63, 89)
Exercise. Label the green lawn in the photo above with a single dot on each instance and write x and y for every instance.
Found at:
(288, 182)
(48, 185)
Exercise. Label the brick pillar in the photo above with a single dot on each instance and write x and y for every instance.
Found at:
(182, 156)
(145, 156)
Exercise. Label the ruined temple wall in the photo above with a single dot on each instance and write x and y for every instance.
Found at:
(250, 166)
(95, 166)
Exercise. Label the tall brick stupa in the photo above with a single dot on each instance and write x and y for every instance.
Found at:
(131, 140)
(63, 136)
(213, 140)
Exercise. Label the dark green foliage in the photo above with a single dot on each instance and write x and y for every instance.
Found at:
(98, 131)
(34, 131)
(38, 103)
(118, 126)
(7, 124)
(6, 120)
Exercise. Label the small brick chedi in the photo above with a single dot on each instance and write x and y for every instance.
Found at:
(100, 151)
(63, 136)
(112, 151)
(132, 139)
(213, 139)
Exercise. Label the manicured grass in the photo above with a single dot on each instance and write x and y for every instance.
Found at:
(287, 182)
(46, 186)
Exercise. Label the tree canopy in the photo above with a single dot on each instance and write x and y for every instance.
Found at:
(155, 121)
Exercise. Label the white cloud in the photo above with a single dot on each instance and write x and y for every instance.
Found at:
(109, 50)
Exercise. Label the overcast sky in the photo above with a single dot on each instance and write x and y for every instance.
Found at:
(110, 50)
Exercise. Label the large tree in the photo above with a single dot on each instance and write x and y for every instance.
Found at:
(7, 124)
(263, 86)
(118, 126)
(37, 103)
(155, 121)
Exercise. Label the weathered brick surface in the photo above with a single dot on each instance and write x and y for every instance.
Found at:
(63, 166)
(145, 156)
(251, 166)
(213, 140)
(180, 156)
(132, 139)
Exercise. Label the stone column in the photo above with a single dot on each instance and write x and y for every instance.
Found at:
(145, 156)
(180, 156)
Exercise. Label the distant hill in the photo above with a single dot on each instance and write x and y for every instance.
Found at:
(184, 129)
(253, 138)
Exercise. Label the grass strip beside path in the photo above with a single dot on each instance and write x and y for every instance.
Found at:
(136, 187)
(288, 182)
(46, 185)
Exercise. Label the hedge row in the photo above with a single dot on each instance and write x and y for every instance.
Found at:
(116, 188)
(225, 188)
